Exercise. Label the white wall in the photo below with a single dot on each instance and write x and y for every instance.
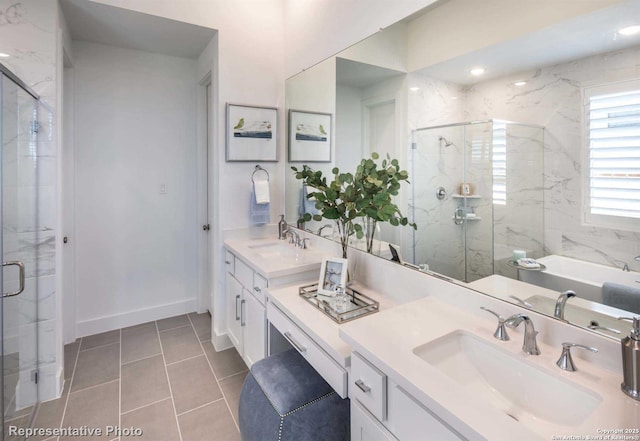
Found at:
(249, 70)
(135, 130)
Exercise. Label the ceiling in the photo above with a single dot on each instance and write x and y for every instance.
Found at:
(580, 37)
(103, 24)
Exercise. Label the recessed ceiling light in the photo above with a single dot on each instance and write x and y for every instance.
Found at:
(519, 83)
(629, 30)
(414, 89)
(477, 71)
(3, 55)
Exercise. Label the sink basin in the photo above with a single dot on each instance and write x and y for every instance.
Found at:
(578, 315)
(271, 250)
(512, 384)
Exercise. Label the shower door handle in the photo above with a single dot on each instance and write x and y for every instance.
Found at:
(458, 216)
(20, 266)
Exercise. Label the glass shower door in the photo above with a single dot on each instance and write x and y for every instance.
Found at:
(18, 244)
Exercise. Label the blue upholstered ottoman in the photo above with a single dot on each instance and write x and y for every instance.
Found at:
(285, 399)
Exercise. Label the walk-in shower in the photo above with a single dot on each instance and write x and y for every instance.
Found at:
(479, 198)
(19, 241)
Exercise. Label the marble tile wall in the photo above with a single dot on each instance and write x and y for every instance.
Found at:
(28, 34)
(552, 98)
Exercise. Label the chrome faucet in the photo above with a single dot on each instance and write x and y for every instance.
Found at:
(294, 237)
(625, 268)
(530, 345)
(322, 228)
(561, 302)
(565, 362)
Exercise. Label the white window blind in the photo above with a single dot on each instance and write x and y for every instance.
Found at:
(614, 152)
(499, 163)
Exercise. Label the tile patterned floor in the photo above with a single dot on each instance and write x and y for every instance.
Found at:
(164, 377)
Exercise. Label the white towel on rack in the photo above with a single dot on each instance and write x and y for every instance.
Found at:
(261, 189)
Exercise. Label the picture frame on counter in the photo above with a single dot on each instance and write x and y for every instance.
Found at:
(333, 272)
(252, 133)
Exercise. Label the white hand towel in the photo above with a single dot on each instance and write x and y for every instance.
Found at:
(262, 191)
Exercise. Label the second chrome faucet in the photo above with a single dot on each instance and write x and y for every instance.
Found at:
(530, 344)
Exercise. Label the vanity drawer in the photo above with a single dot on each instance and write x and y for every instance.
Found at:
(230, 262)
(244, 274)
(369, 386)
(258, 287)
(326, 366)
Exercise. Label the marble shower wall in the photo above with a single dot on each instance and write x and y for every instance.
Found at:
(28, 32)
(552, 98)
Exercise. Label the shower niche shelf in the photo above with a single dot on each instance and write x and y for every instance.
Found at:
(461, 196)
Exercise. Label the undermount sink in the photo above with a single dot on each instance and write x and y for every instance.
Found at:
(512, 384)
(280, 250)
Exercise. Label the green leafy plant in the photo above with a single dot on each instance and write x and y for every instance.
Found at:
(377, 183)
(336, 200)
(366, 194)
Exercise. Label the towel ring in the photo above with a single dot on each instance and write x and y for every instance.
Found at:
(256, 170)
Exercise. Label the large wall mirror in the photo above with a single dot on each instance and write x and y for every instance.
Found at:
(523, 137)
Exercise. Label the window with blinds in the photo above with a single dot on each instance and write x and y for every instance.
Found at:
(613, 114)
(499, 163)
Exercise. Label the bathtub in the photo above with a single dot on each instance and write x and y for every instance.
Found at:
(585, 278)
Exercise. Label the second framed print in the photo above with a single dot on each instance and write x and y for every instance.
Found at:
(309, 136)
(252, 133)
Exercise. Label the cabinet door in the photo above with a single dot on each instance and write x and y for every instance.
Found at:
(364, 426)
(234, 304)
(254, 329)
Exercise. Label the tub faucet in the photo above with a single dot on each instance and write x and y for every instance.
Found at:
(561, 302)
(530, 345)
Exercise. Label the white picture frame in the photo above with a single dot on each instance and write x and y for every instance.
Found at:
(252, 133)
(310, 136)
(333, 272)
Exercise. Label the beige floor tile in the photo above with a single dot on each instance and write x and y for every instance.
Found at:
(192, 384)
(224, 363)
(173, 322)
(231, 386)
(212, 421)
(179, 344)
(50, 413)
(95, 407)
(143, 382)
(202, 325)
(105, 338)
(140, 342)
(157, 421)
(70, 355)
(96, 366)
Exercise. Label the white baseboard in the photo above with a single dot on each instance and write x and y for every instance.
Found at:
(221, 342)
(117, 321)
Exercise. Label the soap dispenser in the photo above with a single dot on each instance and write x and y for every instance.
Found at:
(631, 360)
(282, 227)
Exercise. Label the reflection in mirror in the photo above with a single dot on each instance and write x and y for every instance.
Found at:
(539, 155)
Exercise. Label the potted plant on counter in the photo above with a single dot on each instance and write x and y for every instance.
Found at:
(337, 200)
(377, 184)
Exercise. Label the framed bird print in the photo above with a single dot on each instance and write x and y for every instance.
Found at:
(309, 136)
(252, 133)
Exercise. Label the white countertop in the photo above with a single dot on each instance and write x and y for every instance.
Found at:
(387, 340)
(323, 330)
(269, 267)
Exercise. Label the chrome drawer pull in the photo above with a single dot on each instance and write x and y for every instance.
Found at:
(227, 262)
(242, 322)
(237, 316)
(294, 343)
(257, 289)
(363, 387)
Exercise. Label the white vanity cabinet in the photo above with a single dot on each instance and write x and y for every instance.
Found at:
(381, 409)
(247, 278)
(245, 310)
